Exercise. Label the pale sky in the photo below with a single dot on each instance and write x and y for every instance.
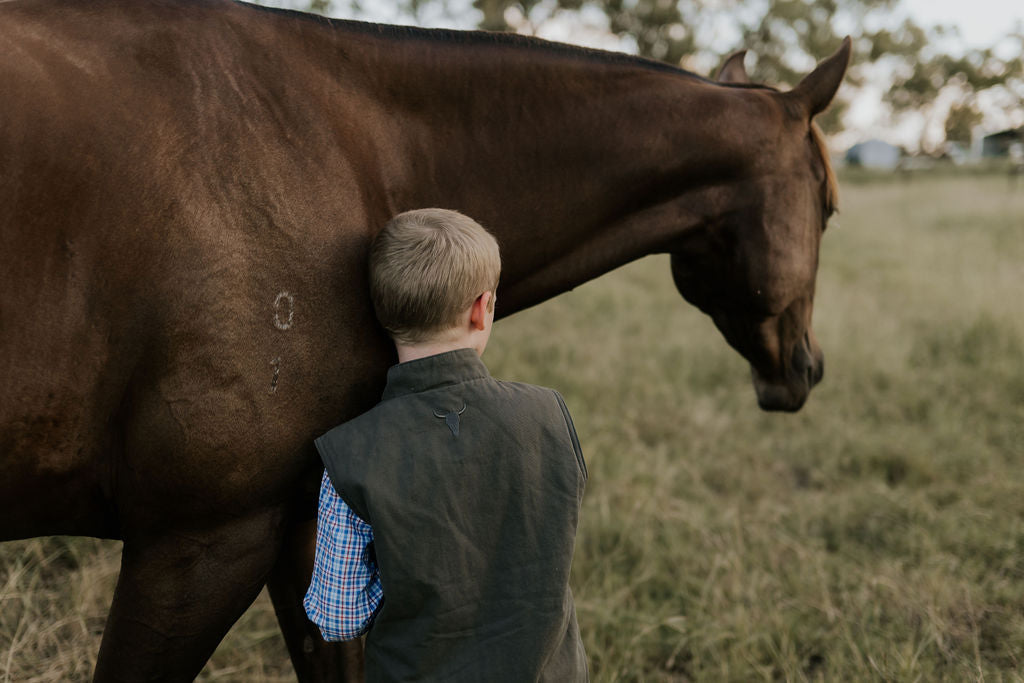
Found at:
(981, 22)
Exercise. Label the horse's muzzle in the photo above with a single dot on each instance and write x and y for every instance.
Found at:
(789, 392)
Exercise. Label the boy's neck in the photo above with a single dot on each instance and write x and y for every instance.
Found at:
(471, 332)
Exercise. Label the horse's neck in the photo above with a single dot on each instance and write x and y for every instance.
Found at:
(580, 163)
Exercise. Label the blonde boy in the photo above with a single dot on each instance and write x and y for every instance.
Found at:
(448, 512)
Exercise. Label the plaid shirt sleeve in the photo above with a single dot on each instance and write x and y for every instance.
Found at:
(345, 592)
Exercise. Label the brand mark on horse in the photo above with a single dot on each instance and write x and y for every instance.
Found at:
(284, 303)
(276, 364)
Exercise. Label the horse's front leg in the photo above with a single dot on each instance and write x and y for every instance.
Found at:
(315, 660)
(179, 592)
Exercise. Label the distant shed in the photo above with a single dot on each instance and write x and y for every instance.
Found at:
(999, 144)
(875, 154)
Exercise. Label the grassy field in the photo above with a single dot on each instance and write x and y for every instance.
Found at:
(876, 535)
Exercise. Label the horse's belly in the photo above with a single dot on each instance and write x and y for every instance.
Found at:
(60, 390)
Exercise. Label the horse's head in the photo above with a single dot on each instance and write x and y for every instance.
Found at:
(752, 267)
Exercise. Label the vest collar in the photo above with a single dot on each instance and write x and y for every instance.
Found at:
(443, 369)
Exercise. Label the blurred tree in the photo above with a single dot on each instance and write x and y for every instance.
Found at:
(493, 12)
(942, 81)
(928, 71)
(960, 122)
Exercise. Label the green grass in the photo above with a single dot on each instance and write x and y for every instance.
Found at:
(876, 535)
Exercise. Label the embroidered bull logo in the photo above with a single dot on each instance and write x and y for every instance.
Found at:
(451, 418)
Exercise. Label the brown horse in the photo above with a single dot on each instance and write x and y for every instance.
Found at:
(187, 190)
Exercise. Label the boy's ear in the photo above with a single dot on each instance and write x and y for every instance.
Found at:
(478, 312)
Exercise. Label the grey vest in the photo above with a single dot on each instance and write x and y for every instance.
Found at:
(473, 489)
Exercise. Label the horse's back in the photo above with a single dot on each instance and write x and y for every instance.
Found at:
(182, 241)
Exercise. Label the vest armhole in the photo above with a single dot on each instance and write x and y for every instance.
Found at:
(572, 435)
(330, 457)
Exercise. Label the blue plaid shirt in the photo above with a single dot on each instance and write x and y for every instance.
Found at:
(345, 592)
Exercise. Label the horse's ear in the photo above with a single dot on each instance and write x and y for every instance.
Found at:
(733, 70)
(817, 89)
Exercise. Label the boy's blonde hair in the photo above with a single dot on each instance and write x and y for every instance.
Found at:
(426, 269)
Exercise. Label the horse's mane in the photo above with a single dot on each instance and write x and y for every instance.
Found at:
(832, 185)
(458, 37)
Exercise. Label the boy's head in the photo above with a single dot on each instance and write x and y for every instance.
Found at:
(427, 267)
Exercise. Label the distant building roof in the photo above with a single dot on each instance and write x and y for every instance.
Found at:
(999, 144)
(876, 154)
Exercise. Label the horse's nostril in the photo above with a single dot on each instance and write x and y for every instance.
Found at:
(805, 363)
(802, 361)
